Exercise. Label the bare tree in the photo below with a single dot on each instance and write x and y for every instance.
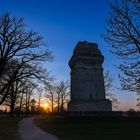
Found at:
(108, 80)
(123, 37)
(21, 71)
(28, 94)
(51, 95)
(33, 105)
(40, 91)
(21, 101)
(19, 95)
(138, 94)
(63, 94)
(21, 54)
(13, 95)
(17, 42)
(58, 94)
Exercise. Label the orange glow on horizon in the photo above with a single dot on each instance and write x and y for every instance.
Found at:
(45, 106)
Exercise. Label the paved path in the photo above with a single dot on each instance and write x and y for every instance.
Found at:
(29, 131)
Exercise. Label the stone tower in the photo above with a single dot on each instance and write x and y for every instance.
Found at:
(87, 82)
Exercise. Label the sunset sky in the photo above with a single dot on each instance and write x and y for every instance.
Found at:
(63, 23)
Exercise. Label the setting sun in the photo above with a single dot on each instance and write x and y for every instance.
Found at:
(45, 106)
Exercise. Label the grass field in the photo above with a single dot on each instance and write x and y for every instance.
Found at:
(91, 128)
(9, 128)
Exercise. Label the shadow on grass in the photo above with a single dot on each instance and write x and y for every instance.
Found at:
(70, 128)
(9, 128)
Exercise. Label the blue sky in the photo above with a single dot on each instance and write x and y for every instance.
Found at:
(63, 23)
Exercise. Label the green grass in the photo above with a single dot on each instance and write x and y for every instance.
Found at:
(9, 128)
(91, 128)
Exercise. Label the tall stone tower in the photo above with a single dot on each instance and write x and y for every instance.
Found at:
(87, 82)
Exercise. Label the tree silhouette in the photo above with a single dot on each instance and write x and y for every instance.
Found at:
(123, 37)
(22, 53)
(63, 92)
(109, 87)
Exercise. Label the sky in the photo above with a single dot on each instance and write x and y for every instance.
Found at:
(63, 23)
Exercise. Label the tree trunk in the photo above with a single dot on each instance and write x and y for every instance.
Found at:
(12, 108)
(52, 105)
(62, 104)
(19, 111)
(58, 109)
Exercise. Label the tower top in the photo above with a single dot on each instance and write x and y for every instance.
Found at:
(86, 52)
(86, 46)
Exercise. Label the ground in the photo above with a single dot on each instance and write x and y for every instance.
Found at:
(91, 128)
(66, 128)
(9, 128)
(29, 131)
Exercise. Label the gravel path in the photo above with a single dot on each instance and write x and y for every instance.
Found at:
(29, 131)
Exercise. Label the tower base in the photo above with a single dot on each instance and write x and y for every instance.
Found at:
(95, 105)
